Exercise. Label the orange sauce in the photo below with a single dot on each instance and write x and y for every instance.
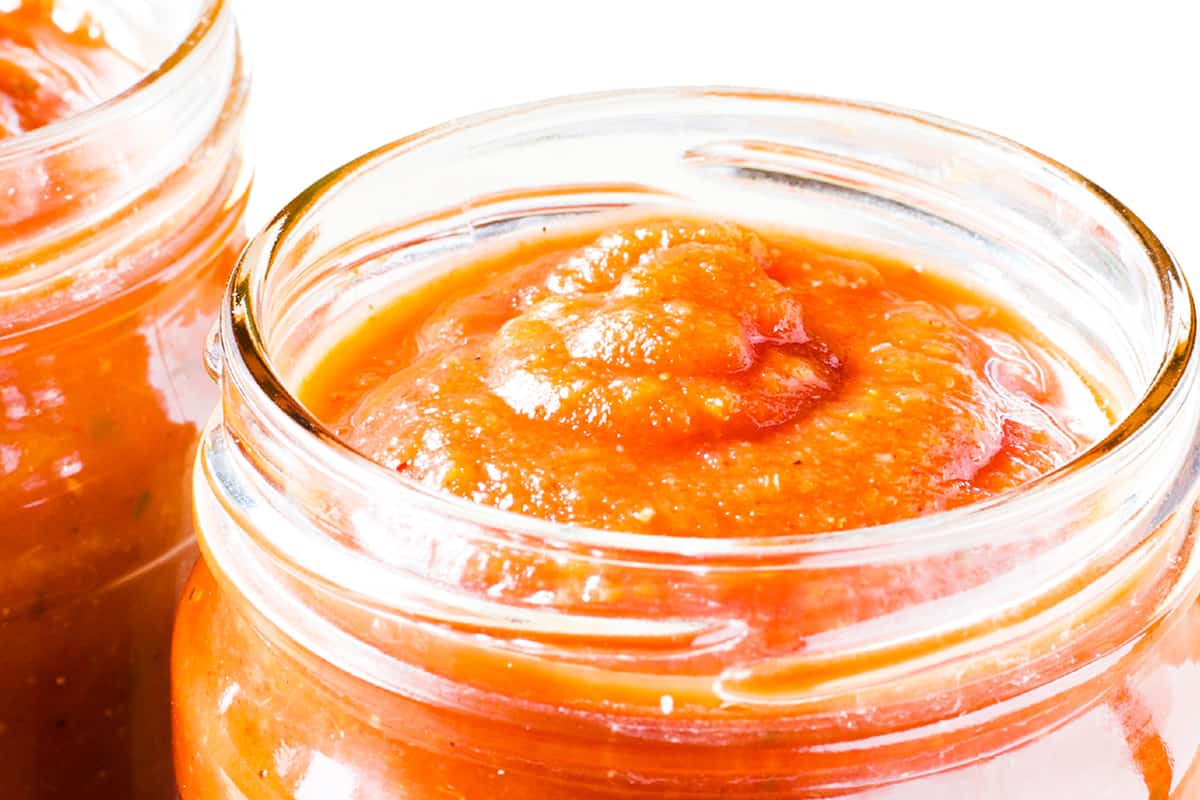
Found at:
(687, 377)
(100, 400)
(680, 377)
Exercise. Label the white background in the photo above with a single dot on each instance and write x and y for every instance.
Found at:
(1112, 89)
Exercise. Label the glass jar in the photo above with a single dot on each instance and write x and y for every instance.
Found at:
(350, 634)
(118, 229)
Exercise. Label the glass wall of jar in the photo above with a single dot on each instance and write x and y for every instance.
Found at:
(119, 225)
(352, 634)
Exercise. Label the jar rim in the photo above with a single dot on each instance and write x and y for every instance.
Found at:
(76, 126)
(245, 358)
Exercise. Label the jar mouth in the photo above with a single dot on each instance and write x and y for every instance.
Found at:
(248, 364)
(65, 132)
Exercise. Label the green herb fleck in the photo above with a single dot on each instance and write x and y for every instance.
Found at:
(141, 504)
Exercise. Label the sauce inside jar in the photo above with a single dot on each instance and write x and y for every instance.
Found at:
(101, 394)
(674, 376)
(699, 378)
(49, 73)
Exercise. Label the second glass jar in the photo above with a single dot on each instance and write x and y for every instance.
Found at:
(118, 231)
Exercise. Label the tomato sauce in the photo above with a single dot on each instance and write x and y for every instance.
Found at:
(101, 393)
(684, 377)
(49, 73)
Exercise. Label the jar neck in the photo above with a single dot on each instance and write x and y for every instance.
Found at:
(800, 631)
(120, 188)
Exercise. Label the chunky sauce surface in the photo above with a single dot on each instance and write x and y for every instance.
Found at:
(697, 378)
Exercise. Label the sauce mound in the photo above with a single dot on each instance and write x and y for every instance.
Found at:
(49, 73)
(690, 377)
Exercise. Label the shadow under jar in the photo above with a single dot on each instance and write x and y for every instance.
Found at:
(335, 641)
(119, 225)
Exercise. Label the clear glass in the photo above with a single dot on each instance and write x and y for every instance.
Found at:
(1042, 644)
(118, 229)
